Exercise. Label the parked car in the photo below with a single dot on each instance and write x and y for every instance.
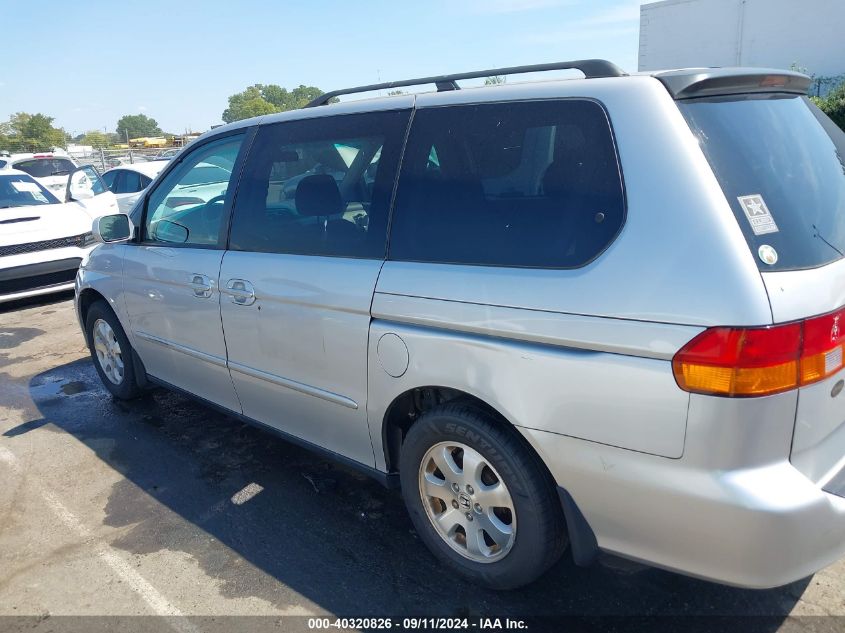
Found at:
(48, 168)
(42, 240)
(129, 181)
(167, 154)
(604, 313)
(53, 172)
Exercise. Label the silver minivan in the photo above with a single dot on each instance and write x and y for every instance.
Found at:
(601, 313)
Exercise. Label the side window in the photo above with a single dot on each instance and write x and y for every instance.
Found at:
(110, 178)
(187, 207)
(128, 182)
(145, 181)
(523, 184)
(320, 186)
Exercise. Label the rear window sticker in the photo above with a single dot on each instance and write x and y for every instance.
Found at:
(758, 214)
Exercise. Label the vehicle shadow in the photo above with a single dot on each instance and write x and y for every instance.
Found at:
(320, 530)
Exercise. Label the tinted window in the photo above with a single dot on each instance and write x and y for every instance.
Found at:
(145, 181)
(128, 182)
(184, 209)
(45, 167)
(320, 186)
(781, 164)
(109, 178)
(532, 184)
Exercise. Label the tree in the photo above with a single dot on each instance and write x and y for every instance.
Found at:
(137, 126)
(262, 99)
(495, 80)
(33, 133)
(95, 139)
(833, 105)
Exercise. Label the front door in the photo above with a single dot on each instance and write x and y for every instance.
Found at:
(171, 274)
(307, 244)
(87, 188)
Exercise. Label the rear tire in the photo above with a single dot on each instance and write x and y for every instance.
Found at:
(111, 352)
(457, 462)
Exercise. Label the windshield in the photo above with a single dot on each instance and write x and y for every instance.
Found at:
(17, 190)
(781, 164)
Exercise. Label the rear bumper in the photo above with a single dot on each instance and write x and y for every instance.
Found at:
(757, 527)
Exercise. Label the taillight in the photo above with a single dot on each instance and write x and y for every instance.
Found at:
(822, 351)
(743, 362)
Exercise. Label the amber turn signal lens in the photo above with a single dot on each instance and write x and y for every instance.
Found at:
(742, 362)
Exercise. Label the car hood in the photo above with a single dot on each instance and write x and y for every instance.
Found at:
(21, 225)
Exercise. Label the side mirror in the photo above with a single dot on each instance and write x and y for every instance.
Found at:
(173, 232)
(109, 229)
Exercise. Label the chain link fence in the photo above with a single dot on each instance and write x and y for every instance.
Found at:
(105, 159)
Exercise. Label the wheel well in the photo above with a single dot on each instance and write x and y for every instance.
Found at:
(86, 299)
(407, 408)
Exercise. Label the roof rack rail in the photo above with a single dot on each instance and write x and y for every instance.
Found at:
(592, 68)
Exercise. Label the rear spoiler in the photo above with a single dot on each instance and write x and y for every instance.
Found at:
(712, 82)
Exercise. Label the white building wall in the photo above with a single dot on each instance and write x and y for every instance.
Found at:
(767, 33)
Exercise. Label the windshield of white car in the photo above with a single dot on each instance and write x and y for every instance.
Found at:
(17, 190)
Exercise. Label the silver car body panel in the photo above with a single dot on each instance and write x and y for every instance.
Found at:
(817, 447)
(175, 322)
(797, 294)
(733, 509)
(609, 398)
(298, 354)
(618, 336)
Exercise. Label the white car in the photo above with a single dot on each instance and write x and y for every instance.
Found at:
(49, 168)
(42, 240)
(128, 182)
(54, 172)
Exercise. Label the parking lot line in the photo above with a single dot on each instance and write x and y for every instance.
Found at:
(159, 604)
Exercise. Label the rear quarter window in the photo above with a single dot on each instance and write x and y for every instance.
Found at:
(519, 184)
(781, 165)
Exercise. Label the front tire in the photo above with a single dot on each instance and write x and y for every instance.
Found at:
(479, 498)
(111, 352)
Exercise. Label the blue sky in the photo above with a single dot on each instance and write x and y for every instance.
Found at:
(88, 63)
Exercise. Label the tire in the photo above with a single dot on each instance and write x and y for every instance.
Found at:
(530, 533)
(116, 369)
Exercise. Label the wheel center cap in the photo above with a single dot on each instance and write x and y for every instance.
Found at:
(464, 501)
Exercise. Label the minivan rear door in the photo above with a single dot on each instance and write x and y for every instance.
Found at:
(781, 164)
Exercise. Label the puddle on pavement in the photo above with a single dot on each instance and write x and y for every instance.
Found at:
(51, 390)
(11, 337)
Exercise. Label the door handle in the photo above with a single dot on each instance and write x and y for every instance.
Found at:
(201, 285)
(240, 292)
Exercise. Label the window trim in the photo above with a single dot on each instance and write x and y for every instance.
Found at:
(248, 134)
(620, 172)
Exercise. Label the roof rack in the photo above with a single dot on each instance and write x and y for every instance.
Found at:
(592, 68)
